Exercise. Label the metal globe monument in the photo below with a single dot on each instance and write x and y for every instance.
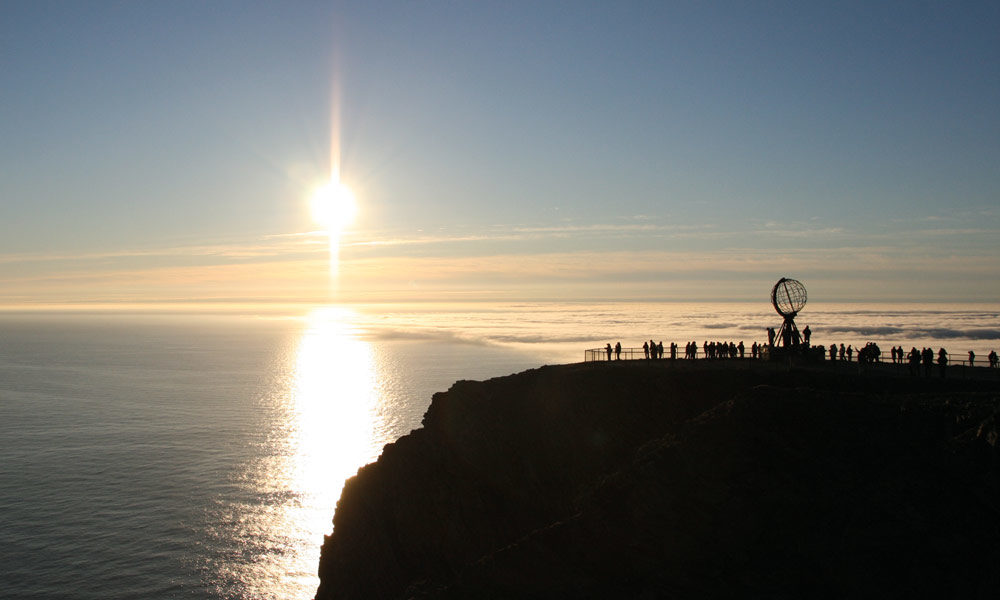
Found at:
(788, 296)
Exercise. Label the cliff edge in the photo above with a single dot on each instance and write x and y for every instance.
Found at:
(652, 480)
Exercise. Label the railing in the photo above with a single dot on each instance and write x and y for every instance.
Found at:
(602, 355)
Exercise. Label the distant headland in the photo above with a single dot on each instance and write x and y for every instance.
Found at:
(648, 479)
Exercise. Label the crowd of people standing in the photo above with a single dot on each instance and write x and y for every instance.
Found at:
(917, 360)
(655, 350)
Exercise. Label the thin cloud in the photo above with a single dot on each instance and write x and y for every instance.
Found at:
(253, 248)
(919, 332)
(499, 262)
(597, 228)
(801, 233)
(955, 232)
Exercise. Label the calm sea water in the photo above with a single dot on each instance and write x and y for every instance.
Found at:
(201, 456)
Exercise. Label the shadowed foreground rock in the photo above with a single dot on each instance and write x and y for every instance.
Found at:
(670, 480)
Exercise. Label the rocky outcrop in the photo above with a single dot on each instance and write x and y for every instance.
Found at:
(672, 480)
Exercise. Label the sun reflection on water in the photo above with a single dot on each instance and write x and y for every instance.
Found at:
(334, 399)
(332, 429)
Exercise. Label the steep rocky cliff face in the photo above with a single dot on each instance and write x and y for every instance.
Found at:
(652, 480)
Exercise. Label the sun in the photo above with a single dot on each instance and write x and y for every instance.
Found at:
(333, 206)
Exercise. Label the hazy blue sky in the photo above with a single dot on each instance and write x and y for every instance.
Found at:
(635, 150)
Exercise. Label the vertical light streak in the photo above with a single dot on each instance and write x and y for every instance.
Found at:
(335, 126)
(334, 232)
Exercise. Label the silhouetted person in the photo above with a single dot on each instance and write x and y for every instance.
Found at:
(972, 357)
(659, 350)
(942, 360)
(914, 362)
(609, 351)
(645, 349)
(618, 350)
(673, 351)
(770, 336)
(843, 351)
(741, 348)
(993, 358)
(806, 334)
(927, 358)
(833, 351)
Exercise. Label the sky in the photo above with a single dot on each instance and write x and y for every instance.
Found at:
(166, 152)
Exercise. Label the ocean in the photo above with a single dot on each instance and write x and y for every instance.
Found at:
(200, 454)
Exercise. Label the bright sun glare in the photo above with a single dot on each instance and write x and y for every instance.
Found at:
(333, 206)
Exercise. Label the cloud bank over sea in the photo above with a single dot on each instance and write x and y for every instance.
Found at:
(560, 332)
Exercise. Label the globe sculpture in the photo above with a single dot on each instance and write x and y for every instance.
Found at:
(788, 296)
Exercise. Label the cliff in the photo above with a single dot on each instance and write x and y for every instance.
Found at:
(680, 480)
